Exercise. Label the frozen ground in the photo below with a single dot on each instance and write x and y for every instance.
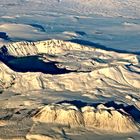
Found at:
(85, 87)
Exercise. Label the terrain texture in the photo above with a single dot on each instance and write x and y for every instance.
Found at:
(74, 89)
(69, 69)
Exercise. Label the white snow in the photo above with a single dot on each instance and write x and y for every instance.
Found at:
(69, 69)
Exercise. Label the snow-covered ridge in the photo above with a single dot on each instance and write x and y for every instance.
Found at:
(59, 47)
(43, 47)
(102, 117)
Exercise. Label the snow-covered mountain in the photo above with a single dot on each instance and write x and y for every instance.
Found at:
(69, 69)
(84, 88)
